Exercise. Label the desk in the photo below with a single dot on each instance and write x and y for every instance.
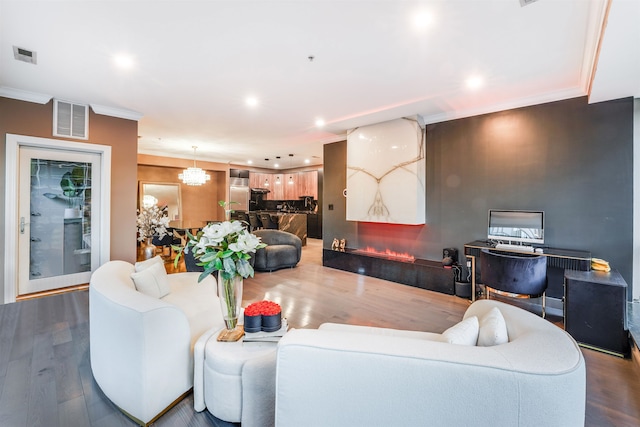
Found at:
(558, 260)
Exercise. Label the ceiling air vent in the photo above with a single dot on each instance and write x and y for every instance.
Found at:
(71, 120)
(25, 55)
(524, 3)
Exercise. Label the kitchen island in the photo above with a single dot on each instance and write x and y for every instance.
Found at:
(295, 224)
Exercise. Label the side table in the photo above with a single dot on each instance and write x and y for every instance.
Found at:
(235, 381)
(596, 310)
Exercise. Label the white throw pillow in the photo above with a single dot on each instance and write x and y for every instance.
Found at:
(152, 281)
(463, 333)
(493, 329)
(143, 265)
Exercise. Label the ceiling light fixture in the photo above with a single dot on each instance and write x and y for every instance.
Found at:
(320, 123)
(422, 20)
(290, 176)
(123, 61)
(474, 82)
(194, 175)
(252, 101)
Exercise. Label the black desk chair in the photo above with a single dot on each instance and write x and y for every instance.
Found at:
(514, 275)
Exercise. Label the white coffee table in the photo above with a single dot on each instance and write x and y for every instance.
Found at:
(235, 381)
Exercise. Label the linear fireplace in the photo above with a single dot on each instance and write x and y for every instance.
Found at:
(388, 265)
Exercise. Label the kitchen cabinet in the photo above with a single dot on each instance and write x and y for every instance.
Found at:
(304, 184)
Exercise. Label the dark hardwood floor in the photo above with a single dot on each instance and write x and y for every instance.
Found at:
(46, 380)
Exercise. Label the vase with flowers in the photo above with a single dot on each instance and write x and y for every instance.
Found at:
(225, 247)
(152, 221)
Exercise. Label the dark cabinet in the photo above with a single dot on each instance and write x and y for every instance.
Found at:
(314, 226)
(595, 310)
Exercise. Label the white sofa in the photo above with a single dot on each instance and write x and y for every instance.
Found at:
(142, 346)
(342, 375)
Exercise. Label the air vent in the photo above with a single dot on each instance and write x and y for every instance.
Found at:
(524, 3)
(71, 120)
(25, 55)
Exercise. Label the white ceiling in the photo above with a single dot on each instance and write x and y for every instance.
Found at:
(195, 63)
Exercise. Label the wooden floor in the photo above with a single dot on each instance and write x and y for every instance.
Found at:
(46, 380)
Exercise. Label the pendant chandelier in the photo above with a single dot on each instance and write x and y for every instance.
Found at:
(194, 175)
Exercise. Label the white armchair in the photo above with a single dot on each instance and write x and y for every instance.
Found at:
(141, 346)
(342, 375)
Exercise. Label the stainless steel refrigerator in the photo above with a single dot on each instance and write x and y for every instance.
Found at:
(239, 194)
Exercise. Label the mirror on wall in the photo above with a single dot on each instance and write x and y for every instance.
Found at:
(161, 194)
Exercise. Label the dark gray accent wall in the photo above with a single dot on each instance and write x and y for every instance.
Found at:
(334, 204)
(571, 159)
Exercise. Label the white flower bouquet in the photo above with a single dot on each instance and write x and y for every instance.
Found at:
(225, 247)
(152, 221)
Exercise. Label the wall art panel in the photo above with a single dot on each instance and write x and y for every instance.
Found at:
(386, 173)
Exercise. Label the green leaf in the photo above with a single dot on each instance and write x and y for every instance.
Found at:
(244, 268)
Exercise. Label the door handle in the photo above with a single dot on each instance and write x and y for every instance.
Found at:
(22, 224)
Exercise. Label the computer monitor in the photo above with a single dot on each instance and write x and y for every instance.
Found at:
(516, 226)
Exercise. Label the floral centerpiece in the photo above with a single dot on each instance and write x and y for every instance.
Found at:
(152, 221)
(225, 247)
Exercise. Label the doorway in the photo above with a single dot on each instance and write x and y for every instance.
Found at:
(57, 209)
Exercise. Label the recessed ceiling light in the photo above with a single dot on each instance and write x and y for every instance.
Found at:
(123, 61)
(307, 161)
(320, 123)
(422, 20)
(252, 101)
(275, 165)
(249, 162)
(474, 82)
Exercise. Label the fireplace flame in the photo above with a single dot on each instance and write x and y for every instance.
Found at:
(387, 253)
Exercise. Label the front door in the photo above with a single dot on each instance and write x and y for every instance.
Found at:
(58, 207)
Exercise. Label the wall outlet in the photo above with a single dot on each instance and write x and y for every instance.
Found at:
(330, 206)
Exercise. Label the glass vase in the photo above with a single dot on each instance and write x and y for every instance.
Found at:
(149, 249)
(230, 294)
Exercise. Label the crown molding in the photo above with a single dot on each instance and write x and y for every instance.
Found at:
(516, 103)
(116, 112)
(24, 95)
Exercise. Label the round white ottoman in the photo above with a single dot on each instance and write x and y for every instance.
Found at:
(239, 381)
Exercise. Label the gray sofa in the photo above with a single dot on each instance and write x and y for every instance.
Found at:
(283, 250)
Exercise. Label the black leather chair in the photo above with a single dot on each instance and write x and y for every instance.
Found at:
(518, 275)
(254, 221)
(283, 250)
(190, 262)
(267, 221)
(165, 242)
(243, 217)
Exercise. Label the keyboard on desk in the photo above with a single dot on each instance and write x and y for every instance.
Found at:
(508, 247)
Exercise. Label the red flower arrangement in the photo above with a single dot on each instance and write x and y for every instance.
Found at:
(264, 308)
(262, 315)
